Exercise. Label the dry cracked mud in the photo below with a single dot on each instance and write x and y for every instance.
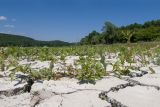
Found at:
(110, 91)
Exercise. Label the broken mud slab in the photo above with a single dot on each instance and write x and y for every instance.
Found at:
(11, 92)
(22, 100)
(10, 88)
(15, 87)
(64, 92)
(150, 79)
(67, 92)
(77, 99)
(68, 85)
(137, 96)
(131, 94)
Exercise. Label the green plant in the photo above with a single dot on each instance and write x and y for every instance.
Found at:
(143, 60)
(158, 61)
(2, 65)
(3, 57)
(152, 70)
(119, 69)
(103, 61)
(72, 72)
(44, 74)
(90, 70)
(26, 69)
(12, 62)
(128, 34)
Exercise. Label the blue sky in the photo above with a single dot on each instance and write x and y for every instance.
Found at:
(70, 20)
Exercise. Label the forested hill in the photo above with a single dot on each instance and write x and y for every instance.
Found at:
(11, 37)
(148, 31)
(17, 40)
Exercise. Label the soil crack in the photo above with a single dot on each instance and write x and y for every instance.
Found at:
(131, 83)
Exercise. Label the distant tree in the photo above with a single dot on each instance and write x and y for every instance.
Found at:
(109, 32)
(92, 38)
(134, 26)
(128, 34)
(147, 34)
(155, 23)
(84, 41)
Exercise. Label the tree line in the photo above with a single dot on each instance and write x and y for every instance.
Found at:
(149, 31)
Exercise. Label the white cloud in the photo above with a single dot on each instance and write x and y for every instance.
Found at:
(2, 18)
(9, 26)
